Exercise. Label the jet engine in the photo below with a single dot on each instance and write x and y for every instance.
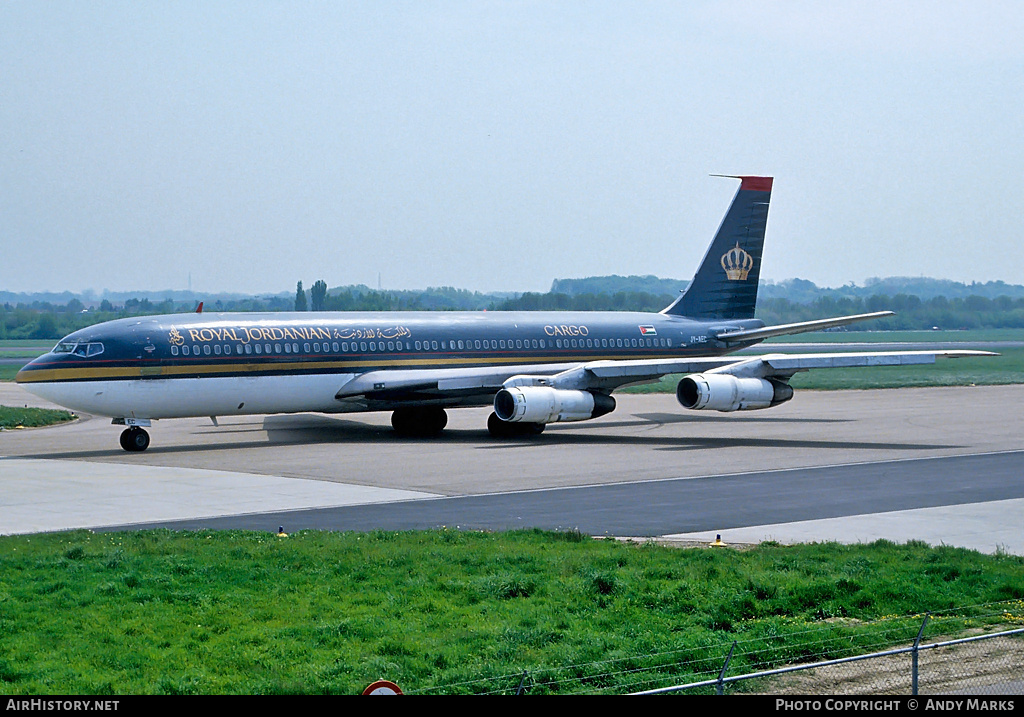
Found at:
(722, 392)
(543, 404)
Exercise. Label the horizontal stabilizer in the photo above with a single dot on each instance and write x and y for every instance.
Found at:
(797, 328)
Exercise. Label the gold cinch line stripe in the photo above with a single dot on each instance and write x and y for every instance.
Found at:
(73, 374)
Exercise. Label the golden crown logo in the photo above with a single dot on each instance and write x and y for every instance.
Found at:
(175, 337)
(737, 263)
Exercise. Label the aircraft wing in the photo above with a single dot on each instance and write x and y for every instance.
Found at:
(788, 364)
(456, 382)
(606, 376)
(439, 381)
(797, 328)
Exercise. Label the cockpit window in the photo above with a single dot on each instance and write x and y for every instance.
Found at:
(79, 348)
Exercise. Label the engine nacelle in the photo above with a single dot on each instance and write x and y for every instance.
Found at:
(543, 404)
(722, 392)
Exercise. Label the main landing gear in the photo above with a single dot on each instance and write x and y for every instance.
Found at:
(419, 421)
(504, 429)
(134, 439)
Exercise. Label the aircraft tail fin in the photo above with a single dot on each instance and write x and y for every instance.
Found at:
(725, 285)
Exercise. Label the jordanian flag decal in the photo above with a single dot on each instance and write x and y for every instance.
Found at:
(648, 331)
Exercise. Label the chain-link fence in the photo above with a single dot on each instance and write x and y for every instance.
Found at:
(984, 664)
(989, 664)
(966, 651)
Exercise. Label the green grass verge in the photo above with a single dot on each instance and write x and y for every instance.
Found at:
(43, 345)
(967, 335)
(445, 610)
(32, 417)
(21, 353)
(20, 349)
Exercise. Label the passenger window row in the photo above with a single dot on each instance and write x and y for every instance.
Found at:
(391, 346)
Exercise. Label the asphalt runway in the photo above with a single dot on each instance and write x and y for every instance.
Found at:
(943, 465)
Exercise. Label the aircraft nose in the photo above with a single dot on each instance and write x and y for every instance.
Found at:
(24, 374)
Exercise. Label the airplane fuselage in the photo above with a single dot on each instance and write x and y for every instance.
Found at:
(228, 363)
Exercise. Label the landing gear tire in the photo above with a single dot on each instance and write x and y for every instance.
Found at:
(419, 422)
(134, 439)
(504, 429)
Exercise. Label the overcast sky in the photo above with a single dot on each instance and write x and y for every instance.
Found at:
(500, 145)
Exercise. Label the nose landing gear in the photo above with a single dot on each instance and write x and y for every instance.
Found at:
(134, 439)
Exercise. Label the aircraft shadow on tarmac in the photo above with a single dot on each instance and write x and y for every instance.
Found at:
(691, 443)
(313, 428)
(660, 418)
(308, 428)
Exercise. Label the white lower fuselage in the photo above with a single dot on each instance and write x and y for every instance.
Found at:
(207, 396)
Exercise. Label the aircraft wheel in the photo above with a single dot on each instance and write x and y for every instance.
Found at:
(435, 420)
(402, 421)
(497, 427)
(134, 439)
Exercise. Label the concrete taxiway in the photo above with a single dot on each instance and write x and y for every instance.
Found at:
(852, 461)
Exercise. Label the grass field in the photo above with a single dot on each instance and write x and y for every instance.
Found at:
(967, 335)
(31, 417)
(22, 353)
(43, 345)
(238, 612)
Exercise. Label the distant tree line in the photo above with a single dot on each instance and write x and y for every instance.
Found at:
(800, 290)
(619, 301)
(912, 312)
(49, 321)
(43, 320)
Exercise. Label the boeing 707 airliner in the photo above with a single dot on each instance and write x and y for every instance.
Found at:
(534, 368)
